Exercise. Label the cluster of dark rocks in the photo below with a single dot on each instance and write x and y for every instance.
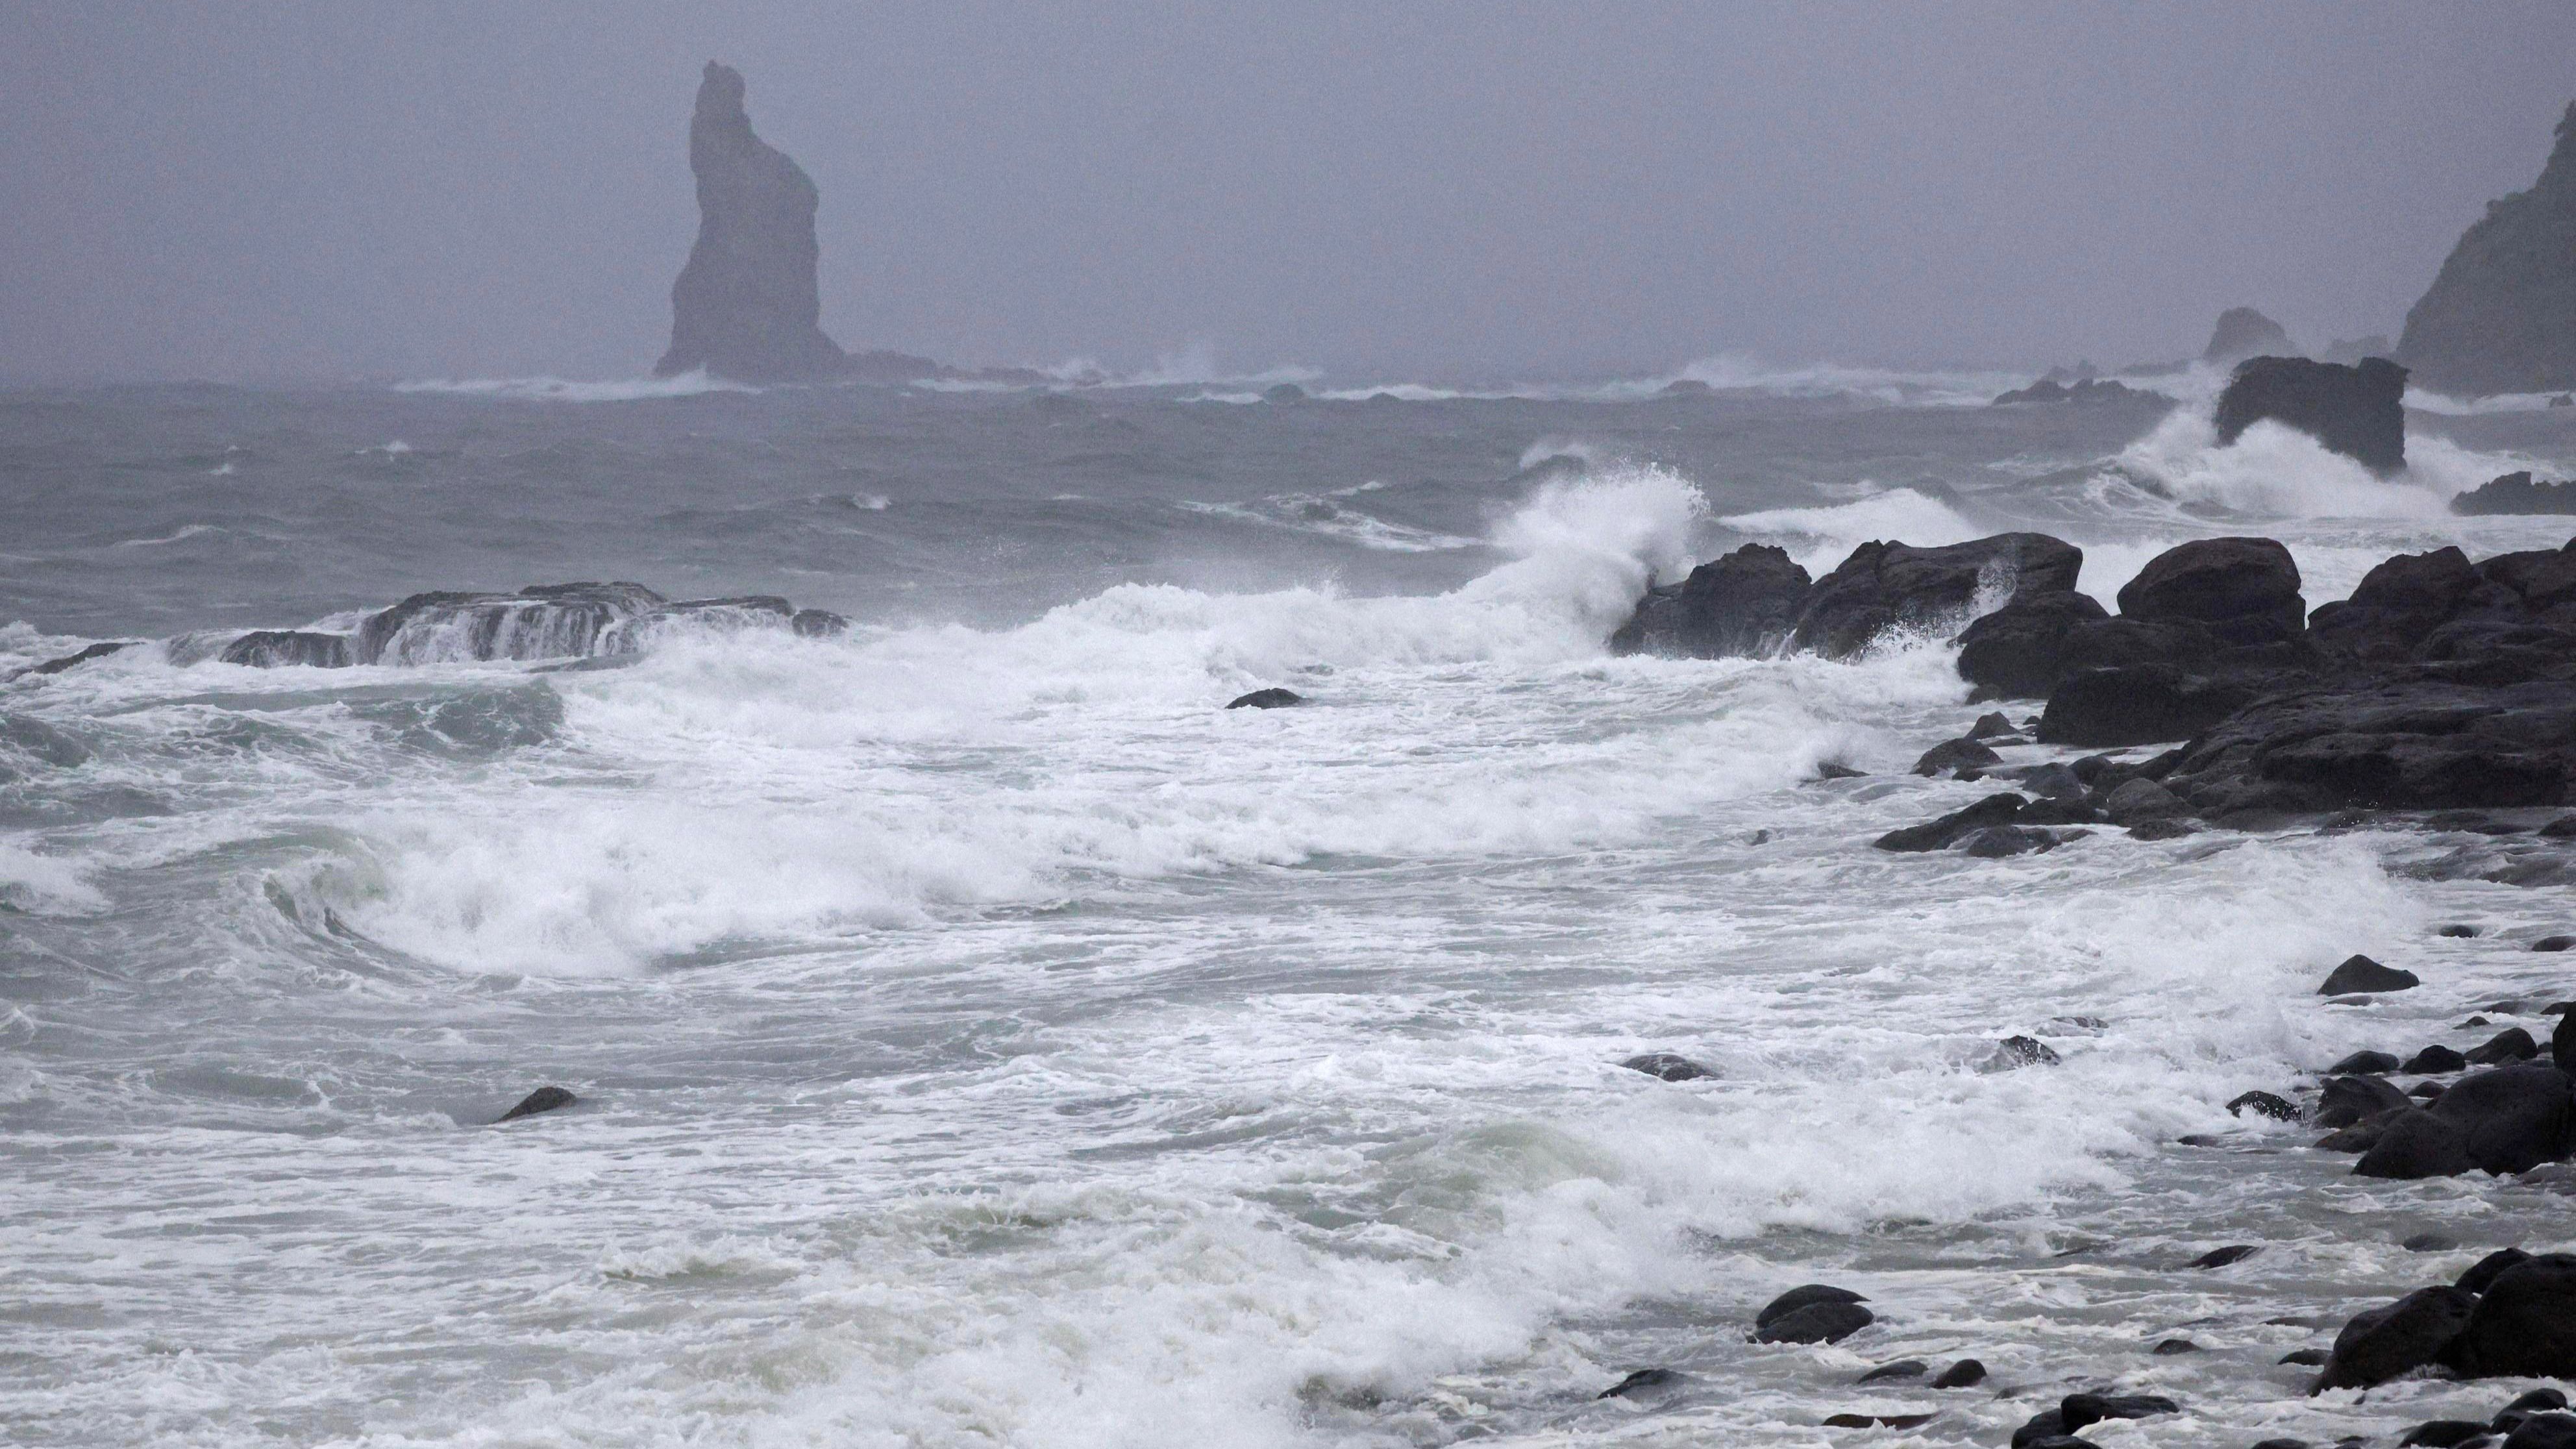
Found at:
(2083, 392)
(2442, 683)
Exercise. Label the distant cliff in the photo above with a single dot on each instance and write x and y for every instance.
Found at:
(746, 306)
(2501, 317)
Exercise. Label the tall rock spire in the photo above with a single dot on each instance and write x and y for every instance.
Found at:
(745, 306)
(2501, 316)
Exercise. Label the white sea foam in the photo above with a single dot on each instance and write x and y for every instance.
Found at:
(1819, 538)
(1740, 372)
(44, 884)
(557, 389)
(2275, 471)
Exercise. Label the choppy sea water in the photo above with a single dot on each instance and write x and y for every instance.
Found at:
(985, 1038)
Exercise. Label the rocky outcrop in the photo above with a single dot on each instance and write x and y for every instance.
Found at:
(746, 306)
(2243, 332)
(1756, 601)
(1740, 606)
(1885, 586)
(2246, 590)
(542, 622)
(2501, 315)
(2516, 493)
(2358, 411)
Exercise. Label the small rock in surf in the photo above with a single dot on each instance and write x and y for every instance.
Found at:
(543, 1099)
(1266, 699)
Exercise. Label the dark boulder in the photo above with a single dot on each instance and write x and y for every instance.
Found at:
(2019, 650)
(2415, 1144)
(2346, 1100)
(2443, 1433)
(2435, 1058)
(2364, 1061)
(287, 648)
(2137, 705)
(2512, 1119)
(1266, 699)
(2361, 974)
(2525, 1323)
(1960, 758)
(1812, 1313)
(1743, 605)
(817, 624)
(1967, 1373)
(543, 1099)
(2358, 411)
(2554, 943)
(1941, 833)
(2562, 1043)
(1882, 586)
(2482, 1274)
(2397, 1339)
(1997, 842)
(2245, 589)
(2501, 314)
(2221, 1257)
(2080, 1411)
(1668, 1066)
(1816, 1323)
(2542, 1431)
(1903, 1368)
(2397, 604)
(2512, 1044)
(2137, 801)
(2516, 493)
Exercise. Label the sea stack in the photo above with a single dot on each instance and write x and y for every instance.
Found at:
(746, 305)
(2243, 332)
(2501, 316)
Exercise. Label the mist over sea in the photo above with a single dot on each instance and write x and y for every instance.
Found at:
(985, 1037)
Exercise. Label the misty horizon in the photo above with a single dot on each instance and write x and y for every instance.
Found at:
(271, 193)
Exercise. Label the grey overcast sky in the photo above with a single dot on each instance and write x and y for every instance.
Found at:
(339, 190)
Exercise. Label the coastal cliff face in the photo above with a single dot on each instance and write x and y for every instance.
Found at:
(2501, 316)
(746, 305)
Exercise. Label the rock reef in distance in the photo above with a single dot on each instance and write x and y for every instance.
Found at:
(2243, 332)
(2501, 314)
(2516, 493)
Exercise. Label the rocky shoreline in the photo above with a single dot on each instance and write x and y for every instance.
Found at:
(2443, 690)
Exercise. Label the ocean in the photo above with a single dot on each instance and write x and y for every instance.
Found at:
(984, 1037)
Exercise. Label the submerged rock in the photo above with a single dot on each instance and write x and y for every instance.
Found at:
(286, 648)
(1266, 699)
(1641, 1381)
(543, 1099)
(2358, 411)
(84, 655)
(2221, 1257)
(1668, 1066)
(2501, 314)
(1941, 833)
(1960, 757)
(548, 621)
(747, 306)
(1903, 1368)
(2019, 1051)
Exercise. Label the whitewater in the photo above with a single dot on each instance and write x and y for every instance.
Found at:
(985, 1037)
